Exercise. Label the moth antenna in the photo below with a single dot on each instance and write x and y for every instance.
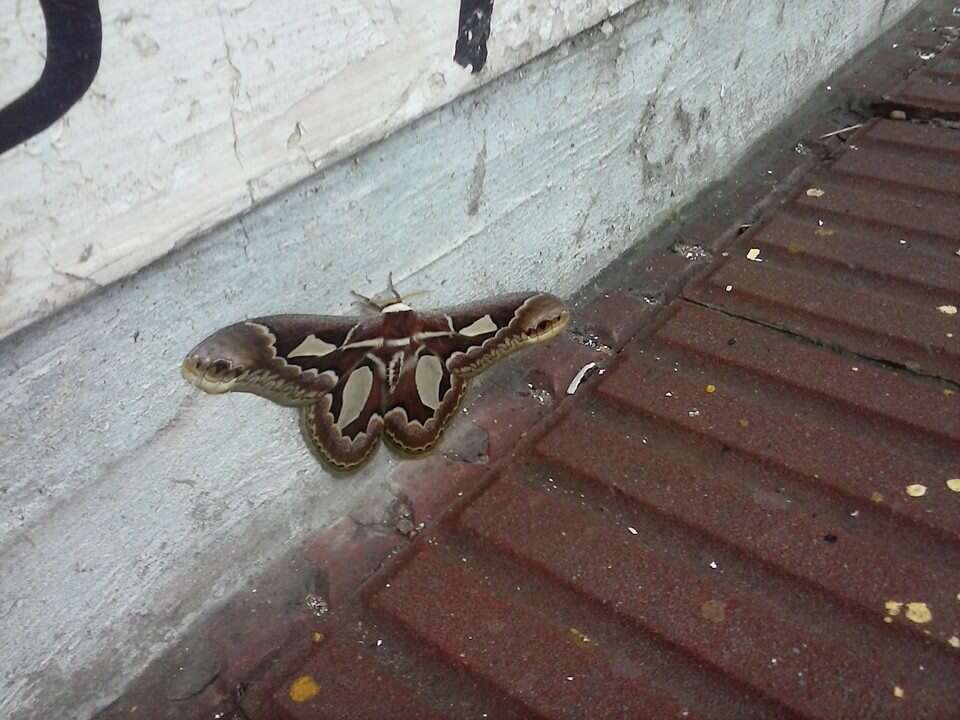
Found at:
(415, 293)
(393, 289)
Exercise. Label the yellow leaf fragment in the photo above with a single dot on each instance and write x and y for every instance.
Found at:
(898, 692)
(714, 611)
(815, 193)
(876, 497)
(710, 389)
(303, 688)
(916, 490)
(948, 309)
(754, 255)
(825, 232)
(919, 613)
(954, 484)
(954, 641)
(579, 638)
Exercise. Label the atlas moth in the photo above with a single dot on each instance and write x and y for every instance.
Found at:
(400, 374)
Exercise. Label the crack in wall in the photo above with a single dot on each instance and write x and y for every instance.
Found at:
(234, 93)
(78, 278)
(246, 237)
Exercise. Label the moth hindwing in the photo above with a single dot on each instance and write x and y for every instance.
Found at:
(401, 374)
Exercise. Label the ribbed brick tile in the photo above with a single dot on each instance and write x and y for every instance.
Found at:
(342, 682)
(693, 605)
(549, 668)
(936, 89)
(865, 256)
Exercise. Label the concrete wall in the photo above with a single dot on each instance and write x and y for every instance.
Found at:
(131, 504)
(199, 110)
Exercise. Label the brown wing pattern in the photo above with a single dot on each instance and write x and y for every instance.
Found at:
(289, 359)
(344, 427)
(490, 330)
(425, 400)
(354, 382)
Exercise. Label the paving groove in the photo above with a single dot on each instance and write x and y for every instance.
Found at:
(873, 206)
(705, 530)
(933, 90)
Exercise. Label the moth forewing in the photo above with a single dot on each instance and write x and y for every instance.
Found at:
(489, 331)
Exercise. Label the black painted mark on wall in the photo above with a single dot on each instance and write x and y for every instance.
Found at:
(472, 36)
(74, 42)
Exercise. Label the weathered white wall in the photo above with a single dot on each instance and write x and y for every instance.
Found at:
(201, 109)
(22, 51)
(130, 504)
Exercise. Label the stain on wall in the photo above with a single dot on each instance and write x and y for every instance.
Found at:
(473, 33)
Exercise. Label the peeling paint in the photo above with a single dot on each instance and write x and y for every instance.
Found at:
(476, 17)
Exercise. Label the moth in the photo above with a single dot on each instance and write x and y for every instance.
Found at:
(400, 374)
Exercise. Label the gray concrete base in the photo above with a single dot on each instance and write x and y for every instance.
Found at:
(131, 505)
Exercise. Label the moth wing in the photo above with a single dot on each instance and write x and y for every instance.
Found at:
(290, 359)
(479, 334)
(426, 397)
(343, 428)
